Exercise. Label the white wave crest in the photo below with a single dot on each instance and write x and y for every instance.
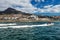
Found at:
(7, 24)
(23, 26)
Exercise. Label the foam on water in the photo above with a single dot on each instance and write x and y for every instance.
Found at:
(23, 26)
(7, 24)
(44, 24)
(3, 27)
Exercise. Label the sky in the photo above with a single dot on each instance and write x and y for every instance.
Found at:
(32, 6)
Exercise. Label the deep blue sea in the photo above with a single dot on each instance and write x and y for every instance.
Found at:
(30, 32)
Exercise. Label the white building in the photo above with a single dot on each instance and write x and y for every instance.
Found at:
(10, 18)
(34, 17)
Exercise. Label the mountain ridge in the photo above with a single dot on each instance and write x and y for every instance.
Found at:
(13, 11)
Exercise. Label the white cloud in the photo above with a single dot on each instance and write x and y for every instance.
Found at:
(3, 5)
(50, 9)
(27, 6)
(48, 6)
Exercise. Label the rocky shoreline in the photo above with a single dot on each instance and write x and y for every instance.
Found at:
(28, 20)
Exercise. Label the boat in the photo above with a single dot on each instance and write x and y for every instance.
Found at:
(49, 24)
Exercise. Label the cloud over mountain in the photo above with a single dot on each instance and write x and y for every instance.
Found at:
(26, 6)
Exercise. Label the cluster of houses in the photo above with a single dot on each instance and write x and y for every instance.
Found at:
(12, 14)
(22, 17)
(18, 17)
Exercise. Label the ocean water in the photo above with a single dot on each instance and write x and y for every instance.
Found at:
(29, 31)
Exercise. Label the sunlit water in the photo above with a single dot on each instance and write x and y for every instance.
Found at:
(27, 31)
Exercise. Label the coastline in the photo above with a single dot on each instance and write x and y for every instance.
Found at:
(18, 16)
(9, 21)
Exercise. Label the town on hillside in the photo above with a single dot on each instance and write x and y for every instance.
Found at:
(12, 15)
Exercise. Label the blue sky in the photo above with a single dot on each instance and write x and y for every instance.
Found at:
(42, 3)
(32, 6)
